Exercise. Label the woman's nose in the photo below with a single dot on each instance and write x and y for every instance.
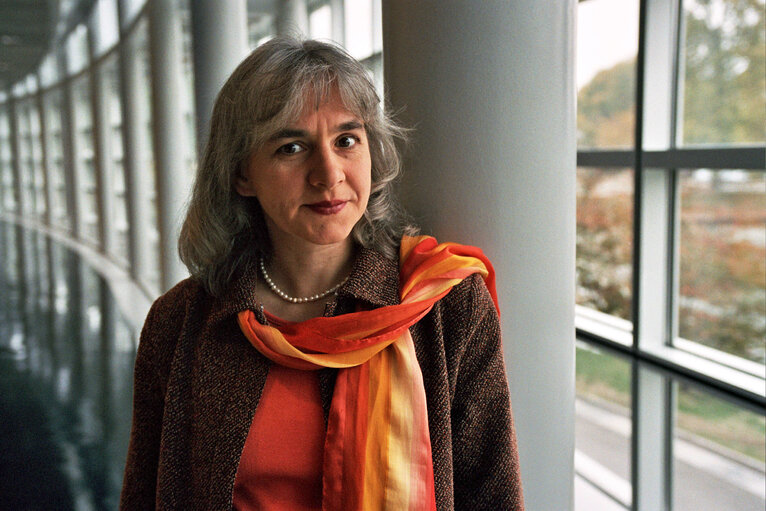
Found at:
(326, 169)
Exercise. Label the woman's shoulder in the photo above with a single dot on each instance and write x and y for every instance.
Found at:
(178, 297)
(169, 309)
(469, 299)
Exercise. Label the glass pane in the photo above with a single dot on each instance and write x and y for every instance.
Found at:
(260, 27)
(105, 18)
(31, 158)
(49, 70)
(605, 240)
(84, 157)
(8, 198)
(77, 49)
(607, 44)
(26, 165)
(114, 152)
(320, 23)
(722, 302)
(140, 42)
(130, 9)
(718, 455)
(55, 158)
(724, 75)
(358, 19)
(602, 428)
(187, 96)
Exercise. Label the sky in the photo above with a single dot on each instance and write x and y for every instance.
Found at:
(607, 33)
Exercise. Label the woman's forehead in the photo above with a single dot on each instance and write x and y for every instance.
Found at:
(311, 102)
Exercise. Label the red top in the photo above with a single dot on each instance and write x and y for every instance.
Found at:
(281, 463)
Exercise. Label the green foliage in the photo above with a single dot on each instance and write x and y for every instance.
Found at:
(605, 108)
(725, 73)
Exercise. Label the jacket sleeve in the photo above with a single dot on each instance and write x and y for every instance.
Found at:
(485, 455)
(139, 483)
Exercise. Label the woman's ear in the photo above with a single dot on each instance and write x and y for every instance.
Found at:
(243, 185)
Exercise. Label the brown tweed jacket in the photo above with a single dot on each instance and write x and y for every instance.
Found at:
(198, 382)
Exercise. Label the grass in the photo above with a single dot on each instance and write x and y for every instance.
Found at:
(608, 378)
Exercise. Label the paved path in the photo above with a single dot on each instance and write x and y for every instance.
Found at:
(703, 480)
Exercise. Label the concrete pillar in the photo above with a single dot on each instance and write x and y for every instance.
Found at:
(134, 147)
(15, 146)
(338, 21)
(489, 87)
(169, 129)
(4, 109)
(72, 179)
(45, 160)
(101, 159)
(293, 18)
(219, 42)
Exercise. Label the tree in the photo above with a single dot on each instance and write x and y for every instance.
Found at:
(724, 92)
(605, 109)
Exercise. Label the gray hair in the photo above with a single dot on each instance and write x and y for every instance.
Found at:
(224, 232)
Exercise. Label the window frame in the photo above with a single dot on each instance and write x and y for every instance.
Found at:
(651, 342)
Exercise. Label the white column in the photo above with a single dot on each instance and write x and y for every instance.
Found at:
(101, 158)
(338, 21)
(71, 174)
(489, 87)
(166, 45)
(219, 42)
(45, 159)
(134, 148)
(292, 18)
(15, 146)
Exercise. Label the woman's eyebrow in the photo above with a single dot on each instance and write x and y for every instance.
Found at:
(298, 133)
(288, 133)
(350, 126)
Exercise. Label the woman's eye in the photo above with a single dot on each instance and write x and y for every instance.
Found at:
(347, 141)
(291, 148)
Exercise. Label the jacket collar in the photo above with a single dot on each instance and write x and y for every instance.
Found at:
(374, 279)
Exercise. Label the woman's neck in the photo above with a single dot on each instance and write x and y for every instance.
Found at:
(309, 269)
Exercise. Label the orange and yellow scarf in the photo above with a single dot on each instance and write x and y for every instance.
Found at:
(377, 450)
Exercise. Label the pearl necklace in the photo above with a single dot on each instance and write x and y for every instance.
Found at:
(291, 299)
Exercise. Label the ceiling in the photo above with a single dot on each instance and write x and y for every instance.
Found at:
(29, 28)
(26, 30)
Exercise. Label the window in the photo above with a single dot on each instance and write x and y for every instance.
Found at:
(605, 240)
(723, 74)
(140, 44)
(7, 199)
(718, 453)
(603, 426)
(108, 74)
(55, 158)
(722, 278)
(84, 157)
(671, 244)
(607, 44)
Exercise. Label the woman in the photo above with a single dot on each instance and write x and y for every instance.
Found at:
(318, 357)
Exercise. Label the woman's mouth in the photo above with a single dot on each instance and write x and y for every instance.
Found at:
(329, 207)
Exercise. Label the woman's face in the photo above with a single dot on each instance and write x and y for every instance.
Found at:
(312, 178)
